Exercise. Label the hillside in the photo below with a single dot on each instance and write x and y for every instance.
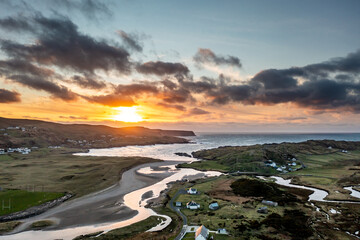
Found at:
(30, 133)
(255, 157)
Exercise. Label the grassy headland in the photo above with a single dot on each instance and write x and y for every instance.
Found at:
(34, 133)
(325, 164)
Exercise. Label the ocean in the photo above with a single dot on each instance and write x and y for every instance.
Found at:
(214, 140)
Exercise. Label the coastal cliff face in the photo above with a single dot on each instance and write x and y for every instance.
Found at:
(34, 133)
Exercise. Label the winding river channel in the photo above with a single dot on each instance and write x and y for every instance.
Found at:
(124, 203)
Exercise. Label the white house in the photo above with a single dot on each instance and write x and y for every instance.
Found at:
(293, 164)
(202, 233)
(192, 191)
(273, 165)
(222, 231)
(2, 151)
(279, 169)
(269, 203)
(192, 205)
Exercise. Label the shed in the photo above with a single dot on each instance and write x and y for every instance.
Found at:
(214, 206)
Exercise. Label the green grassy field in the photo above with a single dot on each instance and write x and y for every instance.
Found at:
(206, 165)
(57, 170)
(330, 172)
(21, 200)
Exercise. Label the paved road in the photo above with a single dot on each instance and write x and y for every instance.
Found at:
(177, 210)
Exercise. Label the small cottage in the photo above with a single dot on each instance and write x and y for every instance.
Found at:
(192, 205)
(202, 233)
(177, 204)
(269, 203)
(192, 191)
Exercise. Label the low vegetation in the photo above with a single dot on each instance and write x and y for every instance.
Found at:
(129, 232)
(18, 200)
(8, 226)
(57, 170)
(41, 224)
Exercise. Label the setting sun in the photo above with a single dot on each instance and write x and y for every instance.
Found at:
(128, 114)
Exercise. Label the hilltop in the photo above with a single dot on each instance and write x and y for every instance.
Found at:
(35, 133)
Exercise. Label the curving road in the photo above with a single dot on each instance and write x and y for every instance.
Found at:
(177, 210)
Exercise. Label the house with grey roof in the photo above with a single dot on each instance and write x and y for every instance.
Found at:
(202, 233)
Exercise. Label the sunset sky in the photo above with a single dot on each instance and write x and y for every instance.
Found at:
(231, 66)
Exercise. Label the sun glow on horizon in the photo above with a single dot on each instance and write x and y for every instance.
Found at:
(128, 114)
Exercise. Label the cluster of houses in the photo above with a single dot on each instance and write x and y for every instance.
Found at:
(22, 150)
(289, 167)
(12, 128)
(202, 233)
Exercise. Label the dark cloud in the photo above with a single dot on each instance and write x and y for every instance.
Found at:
(34, 77)
(38, 83)
(131, 41)
(273, 79)
(73, 117)
(205, 55)
(292, 118)
(162, 68)
(87, 81)
(59, 43)
(174, 106)
(111, 100)
(316, 86)
(7, 96)
(136, 89)
(123, 95)
(198, 111)
(14, 66)
(16, 24)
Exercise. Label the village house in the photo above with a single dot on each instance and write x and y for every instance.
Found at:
(263, 210)
(202, 233)
(214, 206)
(2, 151)
(192, 205)
(177, 204)
(192, 191)
(269, 203)
(222, 231)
